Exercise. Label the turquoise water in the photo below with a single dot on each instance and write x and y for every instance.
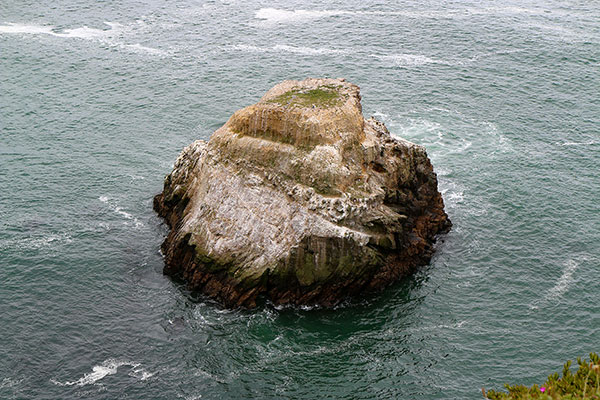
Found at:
(98, 98)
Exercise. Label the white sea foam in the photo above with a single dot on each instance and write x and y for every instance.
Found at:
(588, 143)
(140, 373)
(36, 242)
(561, 286)
(441, 171)
(29, 29)
(83, 32)
(417, 128)
(277, 15)
(135, 177)
(452, 193)
(407, 60)
(456, 197)
(112, 36)
(9, 383)
(503, 143)
(564, 281)
(120, 210)
(104, 226)
(462, 147)
(441, 326)
(248, 48)
(143, 49)
(90, 33)
(510, 10)
(281, 48)
(308, 50)
(108, 367)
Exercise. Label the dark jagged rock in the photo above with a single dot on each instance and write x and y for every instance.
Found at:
(300, 199)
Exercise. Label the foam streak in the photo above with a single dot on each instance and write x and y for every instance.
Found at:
(108, 367)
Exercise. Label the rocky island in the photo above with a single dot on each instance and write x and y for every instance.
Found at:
(300, 200)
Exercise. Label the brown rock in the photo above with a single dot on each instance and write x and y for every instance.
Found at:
(300, 199)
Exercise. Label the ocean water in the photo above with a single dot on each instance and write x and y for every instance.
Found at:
(98, 98)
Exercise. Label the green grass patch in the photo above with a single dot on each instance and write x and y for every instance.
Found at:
(583, 384)
(324, 96)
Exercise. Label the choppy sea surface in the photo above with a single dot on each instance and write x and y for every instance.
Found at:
(98, 98)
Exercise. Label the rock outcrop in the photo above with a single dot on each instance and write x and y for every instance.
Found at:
(301, 200)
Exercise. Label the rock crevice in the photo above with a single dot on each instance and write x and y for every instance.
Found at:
(299, 199)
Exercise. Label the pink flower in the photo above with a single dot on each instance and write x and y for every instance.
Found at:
(542, 389)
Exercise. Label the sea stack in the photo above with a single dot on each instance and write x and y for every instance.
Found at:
(299, 200)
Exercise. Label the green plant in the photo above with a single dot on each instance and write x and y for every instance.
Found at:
(323, 96)
(584, 384)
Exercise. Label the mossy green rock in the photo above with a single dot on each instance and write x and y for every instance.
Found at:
(301, 200)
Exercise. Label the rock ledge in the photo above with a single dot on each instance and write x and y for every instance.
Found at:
(301, 200)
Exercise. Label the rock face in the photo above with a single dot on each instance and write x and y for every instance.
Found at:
(301, 200)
